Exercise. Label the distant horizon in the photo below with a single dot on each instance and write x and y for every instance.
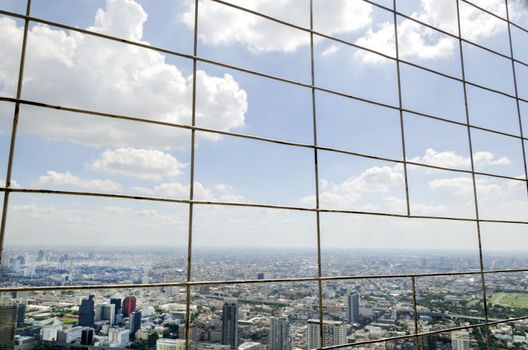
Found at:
(250, 248)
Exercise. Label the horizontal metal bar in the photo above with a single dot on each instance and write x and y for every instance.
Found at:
(223, 132)
(248, 205)
(253, 281)
(266, 139)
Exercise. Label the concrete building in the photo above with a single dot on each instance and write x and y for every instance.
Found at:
(50, 330)
(460, 340)
(170, 344)
(230, 322)
(105, 312)
(118, 337)
(8, 319)
(280, 334)
(353, 308)
(334, 333)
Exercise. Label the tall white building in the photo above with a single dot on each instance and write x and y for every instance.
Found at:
(105, 312)
(334, 333)
(460, 340)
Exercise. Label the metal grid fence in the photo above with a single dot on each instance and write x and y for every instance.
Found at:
(191, 201)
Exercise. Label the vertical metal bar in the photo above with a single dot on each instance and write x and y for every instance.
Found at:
(470, 143)
(415, 311)
(517, 95)
(191, 184)
(316, 170)
(14, 131)
(400, 107)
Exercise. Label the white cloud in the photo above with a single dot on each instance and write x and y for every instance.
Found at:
(447, 159)
(463, 186)
(123, 18)
(381, 40)
(483, 158)
(375, 179)
(261, 35)
(416, 208)
(450, 159)
(417, 41)
(330, 50)
(88, 72)
(66, 178)
(143, 164)
(10, 39)
(212, 110)
(361, 191)
(219, 192)
(477, 25)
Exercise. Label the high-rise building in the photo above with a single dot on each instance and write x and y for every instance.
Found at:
(105, 312)
(117, 303)
(230, 322)
(21, 313)
(8, 319)
(87, 336)
(460, 340)
(334, 333)
(135, 323)
(353, 308)
(86, 312)
(280, 334)
(129, 306)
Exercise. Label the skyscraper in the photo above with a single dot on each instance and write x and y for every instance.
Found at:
(117, 303)
(280, 334)
(129, 306)
(105, 312)
(21, 314)
(135, 323)
(8, 319)
(230, 322)
(86, 312)
(353, 308)
(334, 333)
(87, 336)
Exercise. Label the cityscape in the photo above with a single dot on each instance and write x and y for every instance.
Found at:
(264, 315)
(264, 175)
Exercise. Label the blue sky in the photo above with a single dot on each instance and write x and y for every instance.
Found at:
(60, 150)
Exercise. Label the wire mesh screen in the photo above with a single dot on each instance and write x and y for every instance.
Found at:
(293, 174)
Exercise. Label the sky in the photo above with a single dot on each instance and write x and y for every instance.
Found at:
(71, 151)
